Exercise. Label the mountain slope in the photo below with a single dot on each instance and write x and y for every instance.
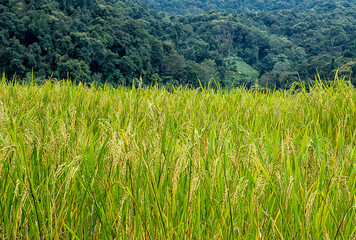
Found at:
(193, 7)
(122, 41)
(102, 40)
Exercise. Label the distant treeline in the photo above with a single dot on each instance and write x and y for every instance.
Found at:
(120, 41)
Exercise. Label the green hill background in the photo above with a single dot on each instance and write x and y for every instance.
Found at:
(122, 41)
(193, 7)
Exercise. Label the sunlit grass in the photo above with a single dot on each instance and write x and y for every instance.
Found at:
(80, 162)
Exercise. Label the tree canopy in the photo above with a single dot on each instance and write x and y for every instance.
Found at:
(120, 41)
(193, 7)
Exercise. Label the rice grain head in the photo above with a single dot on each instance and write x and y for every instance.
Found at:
(2, 114)
(290, 187)
(73, 167)
(308, 208)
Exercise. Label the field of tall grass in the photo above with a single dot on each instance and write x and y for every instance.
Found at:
(83, 162)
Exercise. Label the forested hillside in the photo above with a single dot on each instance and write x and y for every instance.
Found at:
(119, 41)
(102, 40)
(193, 7)
(282, 46)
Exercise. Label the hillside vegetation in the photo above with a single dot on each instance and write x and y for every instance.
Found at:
(119, 41)
(193, 7)
(80, 162)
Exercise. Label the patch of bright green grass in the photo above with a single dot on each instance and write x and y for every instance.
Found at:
(240, 71)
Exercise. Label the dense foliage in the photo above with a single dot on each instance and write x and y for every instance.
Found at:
(193, 7)
(280, 45)
(88, 39)
(119, 41)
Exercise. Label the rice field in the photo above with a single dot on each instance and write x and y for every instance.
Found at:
(84, 162)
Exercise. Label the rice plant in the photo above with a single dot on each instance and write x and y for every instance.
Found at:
(87, 162)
